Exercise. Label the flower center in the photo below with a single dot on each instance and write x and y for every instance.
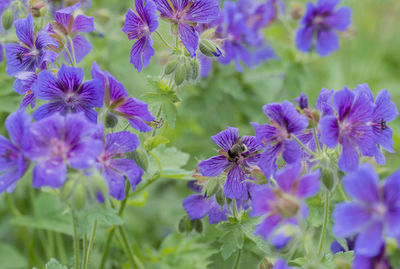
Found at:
(71, 99)
(379, 210)
(59, 148)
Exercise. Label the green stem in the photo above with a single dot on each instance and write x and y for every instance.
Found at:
(69, 56)
(158, 116)
(84, 251)
(112, 231)
(163, 40)
(323, 231)
(76, 241)
(72, 50)
(234, 210)
(235, 266)
(316, 140)
(61, 249)
(89, 252)
(303, 146)
(144, 186)
(127, 247)
(157, 160)
(342, 193)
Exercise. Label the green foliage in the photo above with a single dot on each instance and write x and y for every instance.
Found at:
(11, 258)
(54, 264)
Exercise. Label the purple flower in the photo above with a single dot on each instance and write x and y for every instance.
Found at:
(302, 101)
(31, 53)
(325, 102)
(281, 264)
(276, 137)
(59, 142)
(385, 111)
(140, 27)
(198, 205)
(281, 204)
(115, 167)
(67, 93)
(379, 261)
(237, 155)
(322, 20)
(13, 161)
(23, 85)
(374, 212)
(66, 24)
(350, 127)
(120, 103)
(186, 14)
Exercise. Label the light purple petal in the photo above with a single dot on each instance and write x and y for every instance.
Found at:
(226, 138)
(327, 42)
(83, 23)
(213, 166)
(141, 52)
(304, 38)
(262, 198)
(189, 37)
(130, 169)
(329, 131)
(268, 158)
(81, 48)
(64, 15)
(24, 30)
(116, 183)
(350, 218)
(348, 159)
(84, 154)
(50, 173)
(17, 125)
(235, 187)
(286, 177)
(369, 242)
(266, 227)
(91, 93)
(340, 19)
(363, 184)
(309, 185)
(291, 151)
(204, 11)
(196, 206)
(121, 142)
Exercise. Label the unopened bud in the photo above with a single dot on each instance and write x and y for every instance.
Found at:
(195, 68)
(220, 198)
(79, 197)
(198, 225)
(140, 158)
(211, 187)
(209, 48)
(182, 224)
(180, 73)
(67, 189)
(111, 120)
(296, 10)
(170, 66)
(7, 19)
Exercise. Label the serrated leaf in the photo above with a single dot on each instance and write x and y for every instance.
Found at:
(154, 141)
(54, 264)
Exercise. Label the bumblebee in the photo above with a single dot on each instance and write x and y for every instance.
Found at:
(20, 55)
(236, 151)
(383, 125)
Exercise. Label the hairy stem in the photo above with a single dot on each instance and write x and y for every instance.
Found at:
(76, 241)
(316, 140)
(163, 40)
(239, 253)
(303, 146)
(89, 252)
(323, 231)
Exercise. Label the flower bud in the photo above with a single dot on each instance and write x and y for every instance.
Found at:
(188, 69)
(220, 197)
(170, 66)
(180, 73)
(209, 48)
(37, 8)
(99, 184)
(7, 19)
(211, 187)
(296, 10)
(195, 68)
(67, 189)
(198, 225)
(140, 158)
(182, 224)
(329, 174)
(79, 197)
(111, 120)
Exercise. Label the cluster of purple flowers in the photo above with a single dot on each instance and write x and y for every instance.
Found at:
(67, 135)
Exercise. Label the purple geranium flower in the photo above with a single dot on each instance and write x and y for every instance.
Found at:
(375, 211)
(31, 53)
(13, 161)
(59, 142)
(237, 155)
(379, 261)
(120, 103)
(140, 27)
(322, 20)
(385, 111)
(325, 102)
(23, 85)
(66, 24)
(186, 14)
(276, 137)
(281, 204)
(350, 127)
(115, 167)
(67, 93)
(281, 264)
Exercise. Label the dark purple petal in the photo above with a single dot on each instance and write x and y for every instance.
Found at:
(121, 142)
(363, 184)
(337, 247)
(164, 8)
(14, 64)
(264, 132)
(343, 100)
(216, 214)
(235, 187)
(350, 218)
(327, 42)
(266, 227)
(189, 37)
(369, 242)
(148, 13)
(268, 158)
(70, 77)
(226, 138)
(362, 262)
(304, 38)
(91, 93)
(325, 102)
(83, 24)
(302, 101)
(133, 25)
(137, 108)
(251, 144)
(47, 87)
(130, 169)
(50, 173)
(291, 151)
(43, 39)
(81, 48)
(309, 185)
(64, 15)
(202, 11)
(329, 131)
(48, 109)
(24, 30)
(196, 206)
(141, 52)
(213, 166)
(348, 159)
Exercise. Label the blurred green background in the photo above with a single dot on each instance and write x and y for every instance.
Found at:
(369, 53)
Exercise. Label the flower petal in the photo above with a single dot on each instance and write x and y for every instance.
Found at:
(83, 23)
(50, 173)
(309, 185)
(213, 166)
(350, 218)
(235, 187)
(363, 184)
(369, 242)
(226, 138)
(196, 206)
(348, 159)
(24, 30)
(189, 37)
(304, 38)
(327, 42)
(266, 227)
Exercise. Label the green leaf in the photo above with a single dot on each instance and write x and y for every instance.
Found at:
(54, 264)
(154, 141)
(10, 257)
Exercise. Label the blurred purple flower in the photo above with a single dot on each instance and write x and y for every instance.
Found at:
(31, 53)
(59, 142)
(115, 167)
(325, 102)
(276, 137)
(280, 205)
(380, 261)
(350, 127)
(198, 205)
(302, 101)
(374, 212)
(119, 102)
(323, 20)
(23, 85)
(66, 24)
(140, 26)
(237, 155)
(281, 264)
(1, 52)
(186, 14)
(13, 161)
(67, 93)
